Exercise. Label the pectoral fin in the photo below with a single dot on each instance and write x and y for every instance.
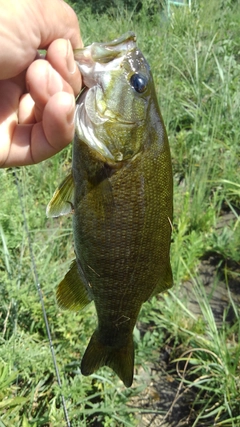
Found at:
(62, 200)
(72, 294)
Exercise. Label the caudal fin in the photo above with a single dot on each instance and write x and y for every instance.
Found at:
(121, 360)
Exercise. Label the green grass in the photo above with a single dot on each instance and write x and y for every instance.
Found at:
(195, 61)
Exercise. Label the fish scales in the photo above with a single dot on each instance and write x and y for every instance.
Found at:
(124, 236)
(120, 190)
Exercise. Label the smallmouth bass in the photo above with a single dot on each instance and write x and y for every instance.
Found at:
(120, 193)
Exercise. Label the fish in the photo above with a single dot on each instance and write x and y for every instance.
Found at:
(120, 194)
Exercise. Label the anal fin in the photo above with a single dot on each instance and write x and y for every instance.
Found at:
(72, 294)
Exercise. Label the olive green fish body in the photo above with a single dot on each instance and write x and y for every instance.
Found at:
(122, 201)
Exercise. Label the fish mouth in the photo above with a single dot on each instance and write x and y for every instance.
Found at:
(106, 52)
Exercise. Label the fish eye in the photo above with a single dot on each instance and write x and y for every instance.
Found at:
(138, 82)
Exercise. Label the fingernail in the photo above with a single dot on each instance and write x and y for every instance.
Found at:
(71, 64)
(71, 110)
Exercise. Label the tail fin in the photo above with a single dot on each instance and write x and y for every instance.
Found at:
(121, 360)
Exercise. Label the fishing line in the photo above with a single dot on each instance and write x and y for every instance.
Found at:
(39, 290)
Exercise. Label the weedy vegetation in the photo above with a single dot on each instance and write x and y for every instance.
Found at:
(195, 59)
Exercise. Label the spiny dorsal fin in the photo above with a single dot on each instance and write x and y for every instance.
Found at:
(72, 294)
(62, 199)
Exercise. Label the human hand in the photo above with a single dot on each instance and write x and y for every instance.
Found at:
(37, 96)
